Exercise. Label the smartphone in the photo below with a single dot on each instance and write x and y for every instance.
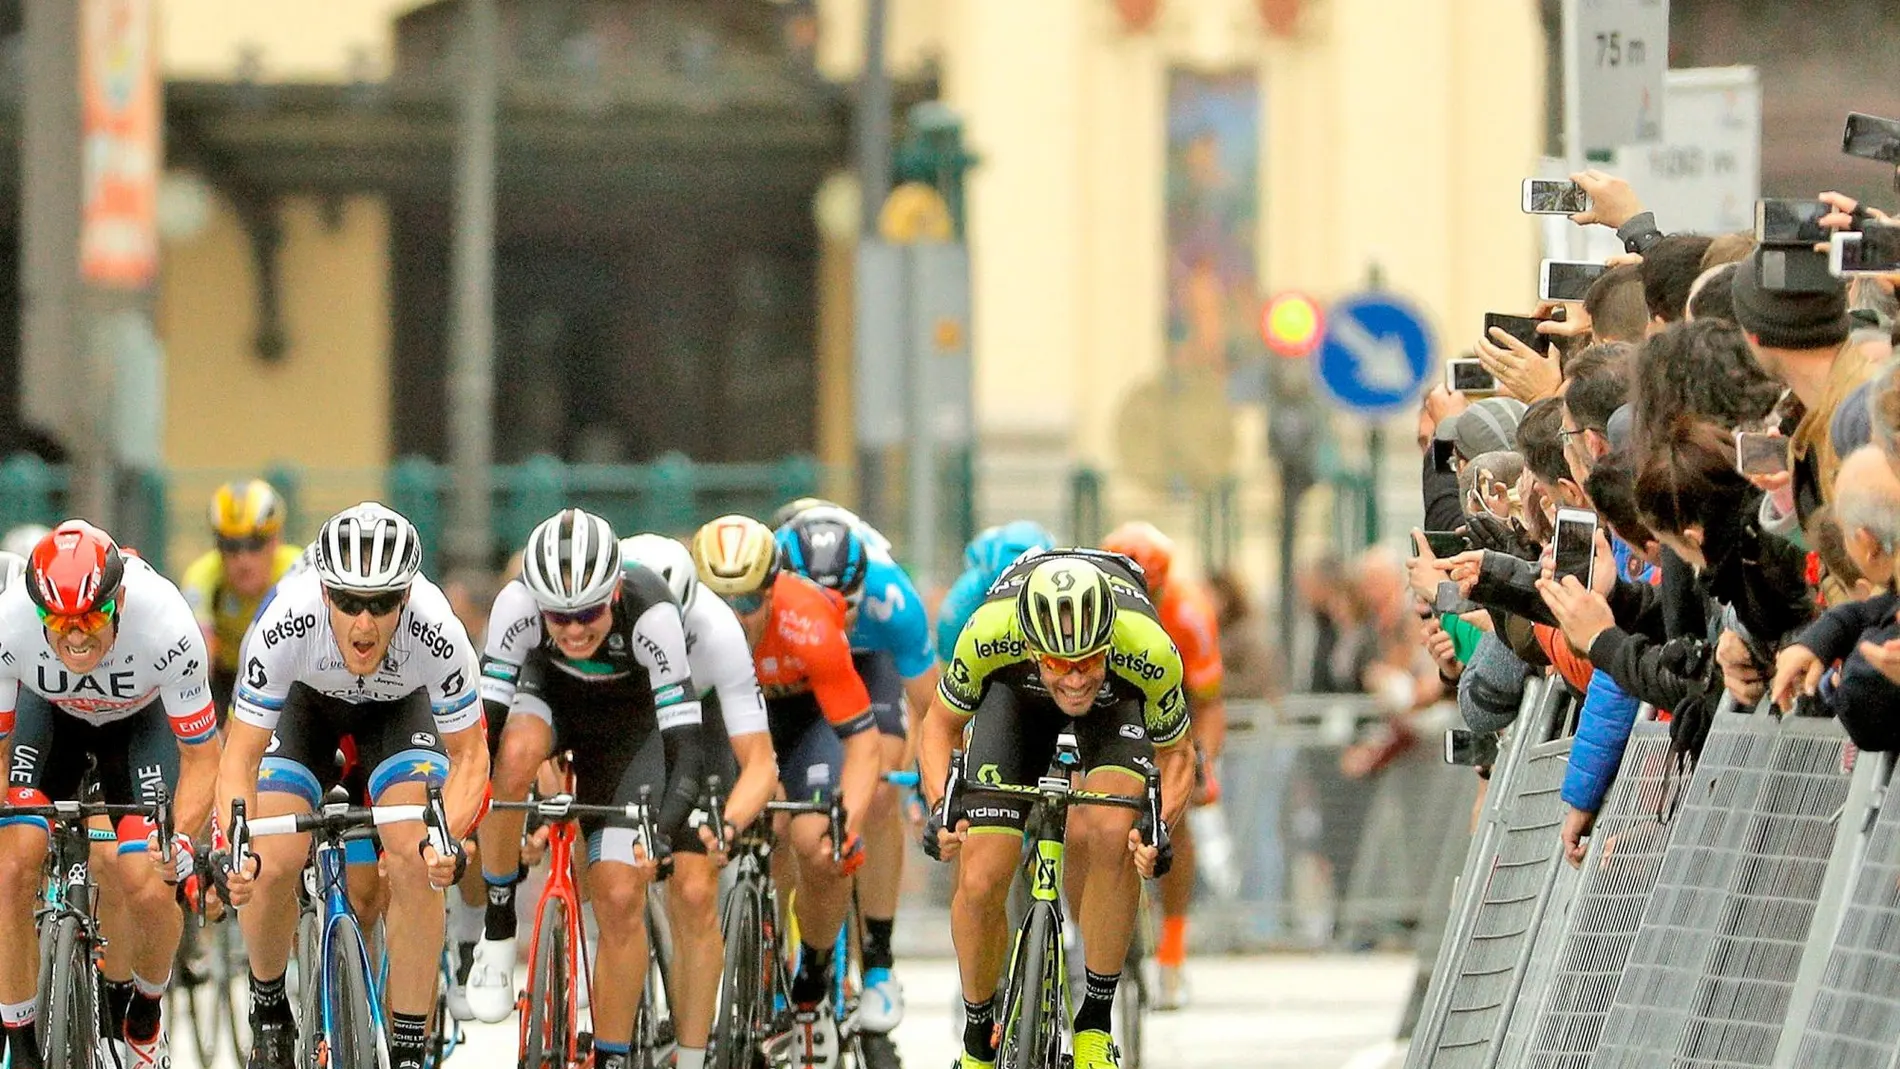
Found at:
(1760, 454)
(1447, 543)
(1444, 450)
(1523, 328)
(1873, 251)
(1780, 221)
(1468, 376)
(1478, 749)
(1871, 138)
(1576, 544)
(1794, 269)
(1553, 196)
(1569, 280)
(1449, 599)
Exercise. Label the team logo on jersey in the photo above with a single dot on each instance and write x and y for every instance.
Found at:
(653, 650)
(423, 738)
(115, 685)
(888, 605)
(173, 654)
(1137, 664)
(515, 629)
(452, 684)
(288, 628)
(254, 674)
(1007, 646)
(1132, 731)
(431, 637)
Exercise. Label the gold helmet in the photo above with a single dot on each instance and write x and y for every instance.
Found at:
(247, 509)
(735, 555)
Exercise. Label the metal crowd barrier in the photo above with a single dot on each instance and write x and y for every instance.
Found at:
(1743, 913)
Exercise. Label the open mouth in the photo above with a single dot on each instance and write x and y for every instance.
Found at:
(362, 648)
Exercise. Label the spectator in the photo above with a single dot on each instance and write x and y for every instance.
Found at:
(1669, 268)
(1249, 662)
(1727, 249)
(1713, 295)
(1615, 305)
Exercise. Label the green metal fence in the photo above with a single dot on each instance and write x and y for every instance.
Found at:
(673, 494)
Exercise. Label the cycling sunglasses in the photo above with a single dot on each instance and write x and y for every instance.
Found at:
(90, 623)
(253, 544)
(1062, 666)
(746, 604)
(569, 619)
(353, 604)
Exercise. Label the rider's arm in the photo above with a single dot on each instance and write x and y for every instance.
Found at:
(758, 778)
(244, 747)
(450, 676)
(467, 784)
(659, 643)
(940, 733)
(186, 693)
(847, 707)
(960, 690)
(263, 685)
(722, 665)
(514, 628)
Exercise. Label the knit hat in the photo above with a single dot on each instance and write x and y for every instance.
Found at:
(1786, 319)
(1487, 426)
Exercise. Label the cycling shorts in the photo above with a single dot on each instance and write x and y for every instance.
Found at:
(878, 669)
(395, 740)
(1012, 738)
(52, 750)
(810, 754)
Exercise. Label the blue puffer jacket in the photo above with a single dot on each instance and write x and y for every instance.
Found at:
(1603, 727)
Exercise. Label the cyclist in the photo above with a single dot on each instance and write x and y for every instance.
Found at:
(822, 732)
(1186, 611)
(225, 585)
(609, 680)
(738, 751)
(890, 647)
(359, 648)
(1067, 636)
(991, 551)
(100, 660)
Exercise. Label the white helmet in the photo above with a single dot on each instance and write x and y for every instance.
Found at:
(20, 540)
(572, 561)
(368, 548)
(666, 557)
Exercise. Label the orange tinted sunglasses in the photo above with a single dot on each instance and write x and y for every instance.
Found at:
(90, 623)
(1062, 666)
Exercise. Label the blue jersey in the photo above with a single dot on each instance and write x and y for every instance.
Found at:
(964, 596)
(891, 618)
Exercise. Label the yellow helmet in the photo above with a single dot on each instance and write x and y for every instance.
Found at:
(735, 555)
(246, 509)
(1066, 608)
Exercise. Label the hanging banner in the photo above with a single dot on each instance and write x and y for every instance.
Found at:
(119, 118)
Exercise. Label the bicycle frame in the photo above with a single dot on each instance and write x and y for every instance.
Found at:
(561, 887)
(333, 915)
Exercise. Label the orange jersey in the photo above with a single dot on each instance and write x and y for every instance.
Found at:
(1187, 614)
(805, 650)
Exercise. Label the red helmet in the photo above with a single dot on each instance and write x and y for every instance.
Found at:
(1146, 546)
(75, 569)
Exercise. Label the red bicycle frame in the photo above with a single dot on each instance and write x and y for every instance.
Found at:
(561, 886)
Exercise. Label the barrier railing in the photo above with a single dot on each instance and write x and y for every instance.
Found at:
(1743, 913)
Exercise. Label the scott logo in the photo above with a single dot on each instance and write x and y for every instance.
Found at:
(1137, 664)
(1002, 647)
(288, 628)
(431, 637)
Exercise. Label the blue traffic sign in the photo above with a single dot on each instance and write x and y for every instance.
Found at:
(1376, 355)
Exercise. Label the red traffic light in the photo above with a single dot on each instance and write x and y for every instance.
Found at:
(1291, 323)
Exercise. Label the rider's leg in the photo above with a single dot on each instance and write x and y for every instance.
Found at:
(824, 894)
(22, 853)
(692, 906)
(985, 868)
(1103, 871)
(525, 743)
(883, 873)
(619, 894)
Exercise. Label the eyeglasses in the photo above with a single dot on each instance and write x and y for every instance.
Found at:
(353, 604)
(570, 619)
(90, 623)
(746, 604)
(253, 544)
(1062, 666)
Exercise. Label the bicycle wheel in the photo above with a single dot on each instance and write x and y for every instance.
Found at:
(309, 989)
(545, 1028)
(229, 946)
(353, 1039)
(72, 1009)
(445, 1032)
(1131, 999)
(199, 990)
(1032, 1027)
(737, 1028)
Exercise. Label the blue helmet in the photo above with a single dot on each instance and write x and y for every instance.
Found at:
(825, 550)
(996, 547)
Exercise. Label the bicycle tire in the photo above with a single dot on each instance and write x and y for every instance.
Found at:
(237, 1018)
(72, 1009)
(1131, 995)
(354, 1042)
(545, 1029)
(309, 989)
(444, 1030)
(737, 1029)
(198, 991)
(1031, 1028)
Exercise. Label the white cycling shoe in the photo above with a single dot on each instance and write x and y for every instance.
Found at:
(491, 981)
(814, 1038)
(881, 1005)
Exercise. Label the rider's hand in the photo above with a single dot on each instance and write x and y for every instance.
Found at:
(179, 868)
(947, 842)
(719, 853)
(534, 846)
(1147, 858)
(444, 870)
(243, 880)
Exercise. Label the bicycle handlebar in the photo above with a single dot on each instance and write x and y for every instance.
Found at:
(563, 807)
(832, 811)
(1056, 789)
(158, 811)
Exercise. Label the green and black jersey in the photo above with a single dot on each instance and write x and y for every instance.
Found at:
(1142, 661)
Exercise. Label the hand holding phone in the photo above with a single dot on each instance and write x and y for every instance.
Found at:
(1523, 328)
(1568, 280)
(1781, 221)
(1874, 250)
(1553, 196)
(1575, 545)
(1760, 454)
(1468, 376)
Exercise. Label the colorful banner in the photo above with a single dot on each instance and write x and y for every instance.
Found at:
(1213, 198)
(119, 118)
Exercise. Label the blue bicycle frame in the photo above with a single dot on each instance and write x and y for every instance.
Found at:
(333, 915)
